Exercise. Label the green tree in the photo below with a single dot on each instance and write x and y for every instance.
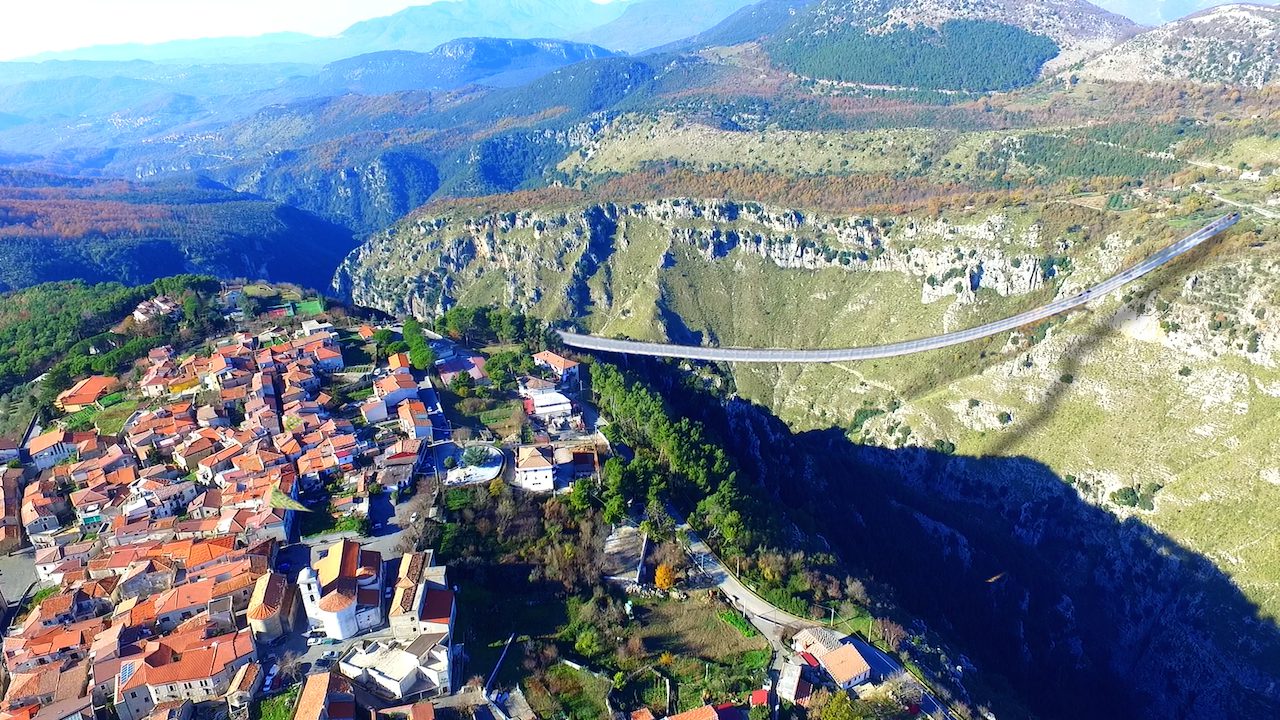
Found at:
(55, 381)
(191, 314)
(475, 455)
(840, 707)
(383, 339)
(462, 384)
(422, 358)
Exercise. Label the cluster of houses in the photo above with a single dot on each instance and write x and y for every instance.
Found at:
(138, 625)
(162, 542)
(161, 306)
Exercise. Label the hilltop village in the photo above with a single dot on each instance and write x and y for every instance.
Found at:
(259, 524)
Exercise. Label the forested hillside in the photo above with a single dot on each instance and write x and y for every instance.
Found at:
(973, 55)
(97, 231)
(52, 321)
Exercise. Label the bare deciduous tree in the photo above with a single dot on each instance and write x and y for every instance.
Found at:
(891, 632)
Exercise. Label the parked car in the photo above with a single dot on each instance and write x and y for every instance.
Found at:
(330, 654)
(391, 590)
(313, 641)
(270, 679)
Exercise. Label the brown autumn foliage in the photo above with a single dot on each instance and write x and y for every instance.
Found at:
(71, 218)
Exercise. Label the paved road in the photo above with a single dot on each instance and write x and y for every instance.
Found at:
(772, 620)
(780, 355)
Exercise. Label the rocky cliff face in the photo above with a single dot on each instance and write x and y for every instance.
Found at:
(433, 261)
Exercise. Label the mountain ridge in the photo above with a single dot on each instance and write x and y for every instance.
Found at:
(490, 61)
(1234, 44)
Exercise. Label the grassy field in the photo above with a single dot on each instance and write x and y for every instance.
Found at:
(529, 615)
(502, 417)
(1253, 152)
(279, 707)
(570, 693)
(632, 142)
(111, 420)
(706, 658)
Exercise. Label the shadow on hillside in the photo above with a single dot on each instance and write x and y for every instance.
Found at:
(1084, 614)
(1088, 615)
(1075, 356)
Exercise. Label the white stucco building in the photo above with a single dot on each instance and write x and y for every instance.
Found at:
(342, 591)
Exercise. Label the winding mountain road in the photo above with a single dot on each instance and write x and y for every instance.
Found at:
(908, 347)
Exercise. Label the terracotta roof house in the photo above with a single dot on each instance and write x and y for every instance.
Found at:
(422, 602)
(51, 448)
(325, 696)
(846, 666)
(185, 665)
(706, 712)
(416, 711)
(415, 420)
(85, 393)
(564, 368)
(273, 607)
(395, 388)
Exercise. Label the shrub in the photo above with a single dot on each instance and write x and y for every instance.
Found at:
(1127, 497)
(588, 643)
(1005, 418)
(457, 499)
(664, 577)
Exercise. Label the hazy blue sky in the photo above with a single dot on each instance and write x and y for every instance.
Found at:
(28, 27)
(1155, 12)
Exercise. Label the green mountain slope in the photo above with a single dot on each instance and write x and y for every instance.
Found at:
(975, 55)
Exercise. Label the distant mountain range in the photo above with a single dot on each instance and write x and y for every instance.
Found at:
(646, 25)
(629, 25)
